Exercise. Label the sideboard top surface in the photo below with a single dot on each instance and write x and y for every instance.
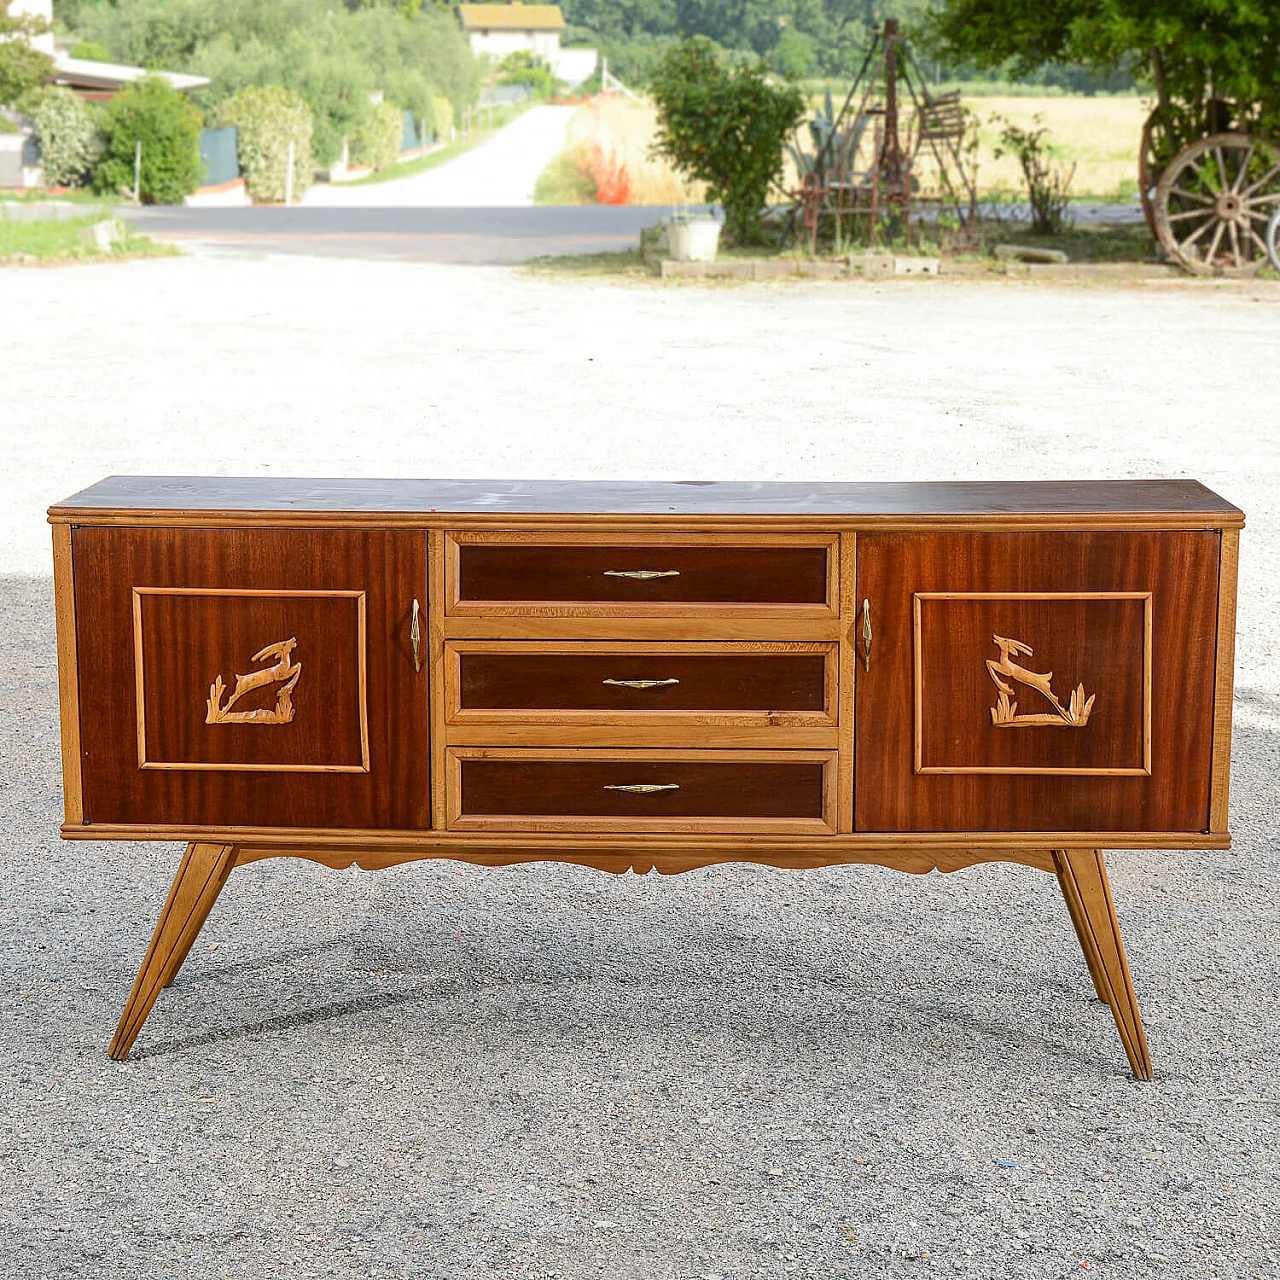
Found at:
(265, 498)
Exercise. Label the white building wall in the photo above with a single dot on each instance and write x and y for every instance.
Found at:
(36, 9)
(497, 44)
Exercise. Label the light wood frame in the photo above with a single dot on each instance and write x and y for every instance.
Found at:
(1143, 770)
(1224, 682)
(64, 605)
(640, 537)
(189, 766)
(457, 820)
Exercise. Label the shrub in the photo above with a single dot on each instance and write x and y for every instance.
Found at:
(67, 129)
(1048, 183)
(442, 118)
(377, 140)
(153, 112)
(267, 120)
(524, 67)
(724, 125)
(22, 67)
(90, 51)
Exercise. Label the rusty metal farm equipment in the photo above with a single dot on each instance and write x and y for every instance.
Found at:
(865, 176)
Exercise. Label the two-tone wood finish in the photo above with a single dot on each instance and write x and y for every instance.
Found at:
(647, 678)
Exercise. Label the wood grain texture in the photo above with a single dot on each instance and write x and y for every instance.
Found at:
(848, 680)
(1107, 634)
(1009, 845)
(1224, 681)
(178, 632)
(437, 552)
(201, 874)
(1083, 876)
(692, 858)
(64, 607)
(515, 572)
(588, 790)
(388, 567)
(1180, 572)
(1176, 503)
(545, 682)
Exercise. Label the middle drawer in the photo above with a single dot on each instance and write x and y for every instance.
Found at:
(632, 683)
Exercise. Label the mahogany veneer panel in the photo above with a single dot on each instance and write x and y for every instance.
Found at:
(1095, 642)
(579, 574)
(777, 682)
(201, 641)
(554, 787)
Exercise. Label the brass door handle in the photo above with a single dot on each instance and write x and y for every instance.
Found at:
(866, 634)
(642, 575)
(640, 684)
(642, 788)
(415, 637)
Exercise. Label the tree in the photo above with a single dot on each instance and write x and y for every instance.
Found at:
(1211, 63)
(151, 112)
(22, 68)
(725, 126)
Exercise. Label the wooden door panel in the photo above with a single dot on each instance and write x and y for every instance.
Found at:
(1037, 681)
(256, 678)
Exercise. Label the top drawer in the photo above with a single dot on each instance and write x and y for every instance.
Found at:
(637, 574)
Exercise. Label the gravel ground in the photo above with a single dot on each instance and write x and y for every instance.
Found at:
(548, 1072)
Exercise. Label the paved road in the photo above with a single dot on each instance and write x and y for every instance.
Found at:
(500, 173)
(476, 236)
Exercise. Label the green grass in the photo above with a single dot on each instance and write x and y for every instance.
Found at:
(48, 242)
(624, 264)
(411, 168)
(37, 195)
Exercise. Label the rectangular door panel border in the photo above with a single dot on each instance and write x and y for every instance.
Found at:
(358, 598)
(1142, 768)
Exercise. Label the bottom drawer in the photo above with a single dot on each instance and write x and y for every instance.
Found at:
(494, 789)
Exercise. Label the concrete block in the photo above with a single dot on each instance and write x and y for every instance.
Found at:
(102, 235)
(915, 266)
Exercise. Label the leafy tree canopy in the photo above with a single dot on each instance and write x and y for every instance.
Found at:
(22, 68)
(1198, 51)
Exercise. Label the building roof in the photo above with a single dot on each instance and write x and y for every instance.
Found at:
(80, 73)
(511, 17)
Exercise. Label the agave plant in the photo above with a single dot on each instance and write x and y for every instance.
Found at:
(834, 147)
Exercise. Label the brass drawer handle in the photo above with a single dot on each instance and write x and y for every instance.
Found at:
(866, 634)
(640, 684)
(642, 788)
(642, 575)
(415, 637)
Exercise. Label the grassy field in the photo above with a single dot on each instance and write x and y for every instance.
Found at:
(608, 156)
(48, 242)
(1100, 136)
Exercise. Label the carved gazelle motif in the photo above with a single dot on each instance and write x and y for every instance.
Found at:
(281, 670)
(1004, 715)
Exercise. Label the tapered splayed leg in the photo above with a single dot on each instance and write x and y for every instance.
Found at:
(1083, 876)
(201, 874)
(1076, 910)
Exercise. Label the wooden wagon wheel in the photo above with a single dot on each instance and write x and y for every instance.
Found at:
(1213, 202)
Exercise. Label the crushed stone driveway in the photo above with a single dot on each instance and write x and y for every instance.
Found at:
(445, 1071)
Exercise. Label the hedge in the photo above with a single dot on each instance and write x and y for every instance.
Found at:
(153, 112)
(67, 129)
(377, 141)
(268, 119)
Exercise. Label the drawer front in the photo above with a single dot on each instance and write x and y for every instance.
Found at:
(494, 574)
(640, 683)
(1037, 681)
(641, 790)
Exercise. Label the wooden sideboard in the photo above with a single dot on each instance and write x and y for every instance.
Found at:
(647, 677)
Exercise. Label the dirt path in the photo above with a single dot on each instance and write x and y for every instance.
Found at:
(500, 173)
